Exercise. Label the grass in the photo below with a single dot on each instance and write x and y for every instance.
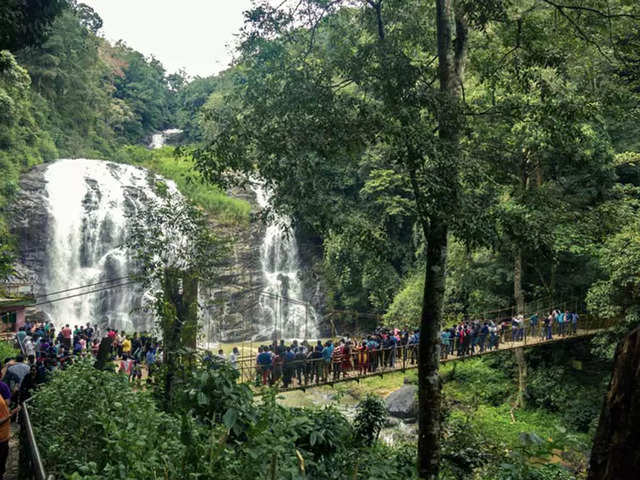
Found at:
(182, 171)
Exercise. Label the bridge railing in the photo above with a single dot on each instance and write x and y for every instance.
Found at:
(354, 361)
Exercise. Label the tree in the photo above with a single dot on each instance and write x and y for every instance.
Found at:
(614, 454)
(321, 85)
(27, 22)
(177, 253)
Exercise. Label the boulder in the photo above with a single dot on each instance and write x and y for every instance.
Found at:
(403, 403)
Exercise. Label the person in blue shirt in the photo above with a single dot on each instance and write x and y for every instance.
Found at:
(327, 352)
(560, 320)
(264, 361)
(574, 323)
(445, 337)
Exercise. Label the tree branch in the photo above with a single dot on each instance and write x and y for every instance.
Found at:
(590, 10)
(577, 28)
(377, 6)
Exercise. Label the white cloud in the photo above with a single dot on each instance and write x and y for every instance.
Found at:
(197, 35)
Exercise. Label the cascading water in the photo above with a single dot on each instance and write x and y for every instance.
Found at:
(158, 140)
(89, 205)
(283, 309)
(88, 201)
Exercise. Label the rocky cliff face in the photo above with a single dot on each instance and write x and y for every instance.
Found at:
(29, 222)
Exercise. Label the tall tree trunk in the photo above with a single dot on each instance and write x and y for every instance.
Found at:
(429, 353)
(615, 454)
(451, 65)
(519, 352)
(518, 294)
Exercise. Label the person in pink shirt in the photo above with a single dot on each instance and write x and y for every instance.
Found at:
(66, 337)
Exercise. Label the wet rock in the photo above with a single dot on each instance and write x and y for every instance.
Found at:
(391, 422)
(403, 403)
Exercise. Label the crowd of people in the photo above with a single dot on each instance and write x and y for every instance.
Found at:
(303, 363)
(46, 349)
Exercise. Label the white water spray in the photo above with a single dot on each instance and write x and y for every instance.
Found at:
(281, 302)
(88, 201)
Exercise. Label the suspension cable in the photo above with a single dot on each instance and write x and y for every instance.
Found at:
(48, 294)
(109, 287)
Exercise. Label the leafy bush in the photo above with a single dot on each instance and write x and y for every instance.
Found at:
(7, 350)
(369, 419)
(92, 424)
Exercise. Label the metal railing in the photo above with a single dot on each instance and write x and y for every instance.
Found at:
(30, 466)
(358, 362)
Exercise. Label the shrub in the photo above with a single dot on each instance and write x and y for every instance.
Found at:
(92, 424)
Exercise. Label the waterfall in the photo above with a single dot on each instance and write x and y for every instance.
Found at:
(158, 140)
(281, 302)
(78, 223)
(87, 205)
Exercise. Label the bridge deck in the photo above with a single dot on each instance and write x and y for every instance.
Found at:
(315, 373)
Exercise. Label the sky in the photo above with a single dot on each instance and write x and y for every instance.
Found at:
(197, 35)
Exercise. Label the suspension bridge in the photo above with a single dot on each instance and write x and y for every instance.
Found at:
(355, 363)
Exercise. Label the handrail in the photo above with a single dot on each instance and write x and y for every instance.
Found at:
(30, 459)
(34, 463)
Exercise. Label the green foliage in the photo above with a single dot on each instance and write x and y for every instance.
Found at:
(7, 350)
(369, 420)
(214, 395)
(180, 169)
(27, 23)
(618, 295)
(112, 433)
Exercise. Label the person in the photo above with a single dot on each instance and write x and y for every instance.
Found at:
(484, 332)
(264, 362)
(151, 360)
(533, 322)
(548, 326)
(16, 373)
(220, 356)
(301, 370)
(233, 357)
(560, 321)
(444, 340)
(126, 346)
(21, 335)
(5, 433)
(288, 366)
(314, 367)
(66, 337)
(574, 323)
(327, 354)
(126, 365)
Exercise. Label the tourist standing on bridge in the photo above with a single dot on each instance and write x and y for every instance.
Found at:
(548, 326)
(445, 339)
(264, 360)
(533, 323)
(414, 340)
(484, 333)
(327, 354)
(574, 323)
